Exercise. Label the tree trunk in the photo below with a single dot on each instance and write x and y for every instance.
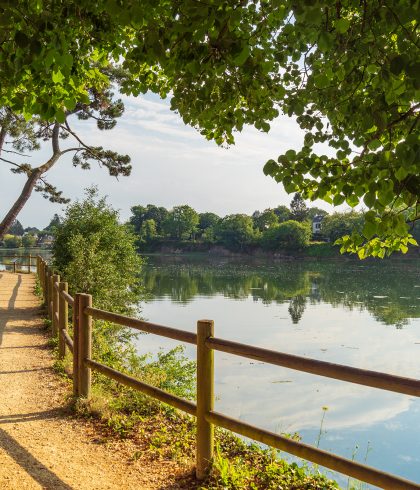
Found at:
(20, 202)
(30, 183)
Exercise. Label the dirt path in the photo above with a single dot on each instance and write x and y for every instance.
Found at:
(41, 445)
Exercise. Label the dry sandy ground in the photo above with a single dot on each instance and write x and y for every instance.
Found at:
(41, 445)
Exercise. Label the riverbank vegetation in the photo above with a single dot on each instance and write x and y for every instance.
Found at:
(96, 254)
(295, 230)
(30, 237)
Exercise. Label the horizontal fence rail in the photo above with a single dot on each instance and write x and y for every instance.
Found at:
(66, 296)
(374, 379)
(169, 332)
(17, 266)
(318, 456)
(69, 341)
(58, 300)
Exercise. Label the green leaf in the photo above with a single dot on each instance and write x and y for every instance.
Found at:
(60, 116)
(270, 168)
(370, 199)
(57, 77)
(338, 199)
(352, 200)
(385, 197)
(70, 104)
(403, 248)
(401, 173)
(369, 229)
(381, 253)
(321, 81)
(371, 69)
(67, 60)
(374, 144)
(325, 41)
(265, 126)
(49, 58)
(342, 25)
(401, 228)
(242, 56)
(291, 155)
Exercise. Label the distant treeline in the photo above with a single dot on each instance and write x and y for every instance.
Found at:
(280, 228)
(30, 237)
(296, 228)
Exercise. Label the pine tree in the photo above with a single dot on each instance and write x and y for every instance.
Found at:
(298, 209)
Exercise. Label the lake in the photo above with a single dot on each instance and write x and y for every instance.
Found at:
(362, 314)
(20, 255)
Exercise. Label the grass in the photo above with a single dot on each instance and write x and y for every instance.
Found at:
(322, 250)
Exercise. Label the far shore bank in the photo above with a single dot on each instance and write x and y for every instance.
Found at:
(314, 251)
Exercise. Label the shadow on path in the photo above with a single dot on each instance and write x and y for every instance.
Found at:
(54, 413)
(40, 473)
(25, 371)
(40, 347)
(15, 292)
(12, 311)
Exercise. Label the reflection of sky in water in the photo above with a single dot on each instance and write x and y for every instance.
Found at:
(284, 400)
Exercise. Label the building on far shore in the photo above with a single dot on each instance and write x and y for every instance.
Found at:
(317, 225)
(45, 241)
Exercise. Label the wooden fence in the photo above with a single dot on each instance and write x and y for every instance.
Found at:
(15, 265)
(58, 300)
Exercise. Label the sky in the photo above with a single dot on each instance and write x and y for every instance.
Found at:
(172, 165)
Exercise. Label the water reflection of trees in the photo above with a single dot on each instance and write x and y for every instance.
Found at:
(387, 290)
(297, 307)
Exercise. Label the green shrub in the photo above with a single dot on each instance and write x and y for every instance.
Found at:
(290, 235)
(97, 255)
(12, 241)
(336, 225)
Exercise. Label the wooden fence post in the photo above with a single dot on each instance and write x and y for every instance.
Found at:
(50, 293)
(63, 309)
(39, 272)
(85, 345)
(29, 263)
(46, 285)
(205, 398)
(14, 267)
(55, 305)
(76, 331)
(43, 267)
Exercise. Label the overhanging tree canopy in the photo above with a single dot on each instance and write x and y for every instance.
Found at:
(348, 71)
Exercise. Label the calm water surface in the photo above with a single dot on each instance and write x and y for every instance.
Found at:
(19, 255)
(365, 315)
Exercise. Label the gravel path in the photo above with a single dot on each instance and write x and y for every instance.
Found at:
(41, 445)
